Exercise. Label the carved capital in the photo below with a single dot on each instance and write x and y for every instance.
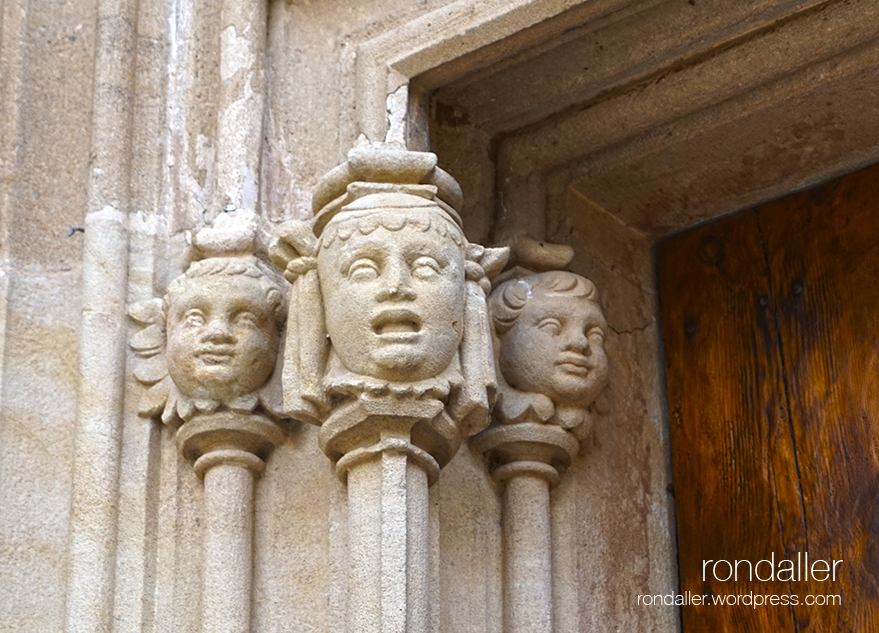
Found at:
(527, 448)
(362, 429)
(228, 437)
(549, 345)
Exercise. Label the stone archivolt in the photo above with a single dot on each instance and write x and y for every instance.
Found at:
(390, 348)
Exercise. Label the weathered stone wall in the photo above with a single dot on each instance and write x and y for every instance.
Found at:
(115, 103)
(46, 64)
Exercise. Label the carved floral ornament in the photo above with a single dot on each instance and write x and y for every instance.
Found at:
(388, 301)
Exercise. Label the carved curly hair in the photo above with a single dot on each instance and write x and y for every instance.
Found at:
(392, 220)
(230, 266)
(508, 300)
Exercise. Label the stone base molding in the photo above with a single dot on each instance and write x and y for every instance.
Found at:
(549, 349)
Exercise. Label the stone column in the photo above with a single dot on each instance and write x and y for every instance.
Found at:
(209, 355)
(389, 351)
(388, 477)
(240, 103)
(525, 459)
(550, 354)
(97, 449)
(228, 450)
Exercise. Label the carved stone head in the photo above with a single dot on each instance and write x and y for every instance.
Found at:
(388, 295)
(551, 335)
(391, 271)
(223, 321)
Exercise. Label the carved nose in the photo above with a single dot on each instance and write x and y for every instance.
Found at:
(397, 292)
(219, 331)
(578, 342)
(398, 284)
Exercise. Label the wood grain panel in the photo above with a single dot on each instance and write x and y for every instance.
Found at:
(771, 323)
(824, 263)
(732, 451)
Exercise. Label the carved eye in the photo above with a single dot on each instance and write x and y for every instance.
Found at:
(247, 319)
(595, 334)
(193, 318)
(550, 325)
(363, 269)
(425, 267)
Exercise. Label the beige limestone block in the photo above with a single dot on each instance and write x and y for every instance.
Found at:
(37, 421)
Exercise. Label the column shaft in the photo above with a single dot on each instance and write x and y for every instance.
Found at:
(228, 548)
(92, 543)
(388, 545)
(527, 555)
(242, 94)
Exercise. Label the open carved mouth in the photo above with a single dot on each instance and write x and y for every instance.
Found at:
(400, 325)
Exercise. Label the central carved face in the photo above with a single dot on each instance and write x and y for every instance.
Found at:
(222, 338)
(394, 301)
(556, 347)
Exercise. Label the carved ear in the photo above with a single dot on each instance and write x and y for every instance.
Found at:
(148, 344)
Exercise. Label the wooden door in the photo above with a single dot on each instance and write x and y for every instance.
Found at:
(771, 330)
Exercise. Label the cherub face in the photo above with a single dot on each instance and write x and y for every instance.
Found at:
(222, 338)
(556, 348)
(394, 302)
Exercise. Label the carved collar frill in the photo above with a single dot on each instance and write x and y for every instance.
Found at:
(514, 406)
(342, 383)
